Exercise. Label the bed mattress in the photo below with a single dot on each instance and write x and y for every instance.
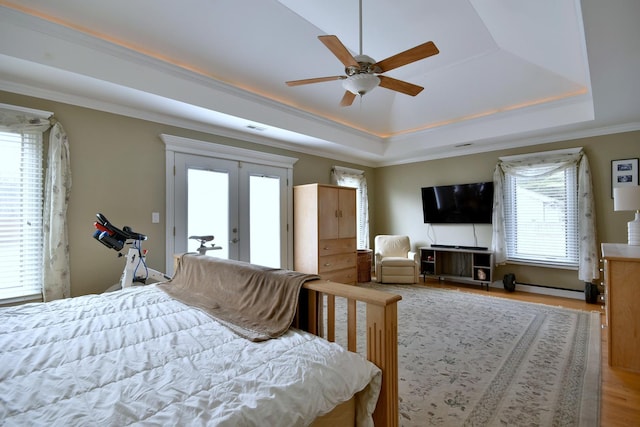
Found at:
(138, 357)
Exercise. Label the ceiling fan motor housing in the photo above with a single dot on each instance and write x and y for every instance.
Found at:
(367, 65)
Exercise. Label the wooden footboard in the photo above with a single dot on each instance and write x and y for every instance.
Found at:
(382, 333)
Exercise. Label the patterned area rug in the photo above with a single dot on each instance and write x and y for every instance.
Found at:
(475, 360)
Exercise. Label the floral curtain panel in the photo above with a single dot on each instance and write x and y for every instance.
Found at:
(541, 164)
(57, 282)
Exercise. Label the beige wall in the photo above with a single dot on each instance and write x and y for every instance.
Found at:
(118, 169)
(401, 213)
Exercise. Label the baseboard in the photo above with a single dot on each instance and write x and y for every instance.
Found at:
(544, 290)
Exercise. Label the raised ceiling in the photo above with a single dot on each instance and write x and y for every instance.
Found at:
(509, 73)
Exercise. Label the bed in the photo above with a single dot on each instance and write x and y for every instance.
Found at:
(140, 356)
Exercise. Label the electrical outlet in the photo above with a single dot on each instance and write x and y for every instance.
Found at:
(155, 217)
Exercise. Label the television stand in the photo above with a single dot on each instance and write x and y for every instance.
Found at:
(468, 264)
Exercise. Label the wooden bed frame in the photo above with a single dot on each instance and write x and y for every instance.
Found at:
(381, 331)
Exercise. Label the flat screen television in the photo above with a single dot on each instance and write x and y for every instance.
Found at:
(458, 204)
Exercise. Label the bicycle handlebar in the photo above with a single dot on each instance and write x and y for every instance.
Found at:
(113, 237)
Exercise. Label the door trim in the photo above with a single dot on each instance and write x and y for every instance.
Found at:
(176, 144)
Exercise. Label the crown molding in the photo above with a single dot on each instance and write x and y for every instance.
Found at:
(137, 113)
(77, 37)
(519, 142)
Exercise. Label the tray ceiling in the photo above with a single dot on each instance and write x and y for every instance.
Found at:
(508, 73)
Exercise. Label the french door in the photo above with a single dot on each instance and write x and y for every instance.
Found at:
(207, 203)
(246, 206)
(242, 205)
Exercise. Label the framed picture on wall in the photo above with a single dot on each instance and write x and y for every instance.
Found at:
(624, 172)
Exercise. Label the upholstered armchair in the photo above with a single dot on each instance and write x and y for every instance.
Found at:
(394, 260)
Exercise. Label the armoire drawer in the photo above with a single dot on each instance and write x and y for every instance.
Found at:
(348, 276)
(336, 246)
(330, 263)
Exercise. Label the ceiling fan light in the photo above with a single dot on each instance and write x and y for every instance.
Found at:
(359, 84)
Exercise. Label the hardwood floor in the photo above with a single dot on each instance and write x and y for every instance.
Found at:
(620, 403)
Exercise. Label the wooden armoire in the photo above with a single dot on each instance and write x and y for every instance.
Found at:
(325, 231)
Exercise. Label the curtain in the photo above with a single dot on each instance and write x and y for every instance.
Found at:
(541, 164)
(589, 266)
(355, 178)
(56, 279)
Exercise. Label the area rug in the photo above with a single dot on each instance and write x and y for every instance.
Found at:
(473, 360)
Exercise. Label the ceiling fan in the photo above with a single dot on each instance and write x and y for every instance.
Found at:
(363, 73)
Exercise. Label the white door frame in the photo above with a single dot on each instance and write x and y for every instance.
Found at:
(177, 144)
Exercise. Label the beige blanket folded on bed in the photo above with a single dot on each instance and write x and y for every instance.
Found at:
(256, 302)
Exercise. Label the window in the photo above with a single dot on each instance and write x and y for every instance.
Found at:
(541, 216)
(21, 200)
(544, 211)
(355, 178)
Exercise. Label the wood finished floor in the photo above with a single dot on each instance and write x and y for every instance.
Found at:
(620, 403)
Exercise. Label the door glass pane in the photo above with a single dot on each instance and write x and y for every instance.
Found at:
(264, 220)
(208, 209)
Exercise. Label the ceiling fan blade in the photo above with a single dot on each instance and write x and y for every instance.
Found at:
(400, 86)
(347, 99)
(314, 80)
(338, 49)
(408, 56)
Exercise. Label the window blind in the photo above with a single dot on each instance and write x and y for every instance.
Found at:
(541, 218)
(21, 200)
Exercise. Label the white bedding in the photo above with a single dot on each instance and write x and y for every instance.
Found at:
(138, 357)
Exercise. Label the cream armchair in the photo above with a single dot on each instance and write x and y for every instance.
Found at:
(394, 260)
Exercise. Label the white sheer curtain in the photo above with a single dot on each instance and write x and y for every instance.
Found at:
(355, 178)
(56, 281)
(540, 164)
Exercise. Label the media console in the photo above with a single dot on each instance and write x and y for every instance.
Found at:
(457, 263)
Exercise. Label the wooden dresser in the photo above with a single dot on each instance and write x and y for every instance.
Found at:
(622, 298)
(324, 231)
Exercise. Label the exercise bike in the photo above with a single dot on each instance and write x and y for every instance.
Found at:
(116, 239)
(135, 259)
